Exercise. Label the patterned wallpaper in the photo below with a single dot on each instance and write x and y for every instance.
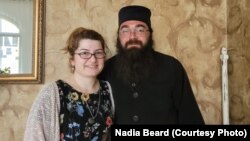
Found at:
(193, 31)
(239, 62)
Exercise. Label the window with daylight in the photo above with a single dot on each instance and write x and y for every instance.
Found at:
(9, 47)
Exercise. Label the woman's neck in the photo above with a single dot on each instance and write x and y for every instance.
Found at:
(85, 84)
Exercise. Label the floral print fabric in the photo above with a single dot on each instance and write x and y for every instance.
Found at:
(81, 121)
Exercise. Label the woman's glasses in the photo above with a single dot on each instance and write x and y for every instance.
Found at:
(87, 55)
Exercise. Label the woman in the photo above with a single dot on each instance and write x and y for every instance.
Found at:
(81, 106)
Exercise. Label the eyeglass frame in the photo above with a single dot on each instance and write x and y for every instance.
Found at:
(139, 30)
(91, 54)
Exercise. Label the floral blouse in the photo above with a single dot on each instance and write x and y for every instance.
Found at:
(84, 120)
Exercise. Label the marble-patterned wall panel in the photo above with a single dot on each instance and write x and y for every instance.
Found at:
(239, 60)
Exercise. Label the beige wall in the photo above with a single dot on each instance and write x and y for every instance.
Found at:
(194, 31)
(239, 63)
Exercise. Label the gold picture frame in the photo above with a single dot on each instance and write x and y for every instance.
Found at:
(36, 76)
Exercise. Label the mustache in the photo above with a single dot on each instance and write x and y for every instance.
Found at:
(133, 42)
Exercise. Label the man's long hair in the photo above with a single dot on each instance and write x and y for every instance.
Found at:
(134, 64)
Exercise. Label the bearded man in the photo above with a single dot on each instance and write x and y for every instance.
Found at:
(148, 87)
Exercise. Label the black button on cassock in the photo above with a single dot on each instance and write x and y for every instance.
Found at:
(135, 118)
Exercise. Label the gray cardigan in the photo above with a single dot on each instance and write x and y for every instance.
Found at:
(43, 119)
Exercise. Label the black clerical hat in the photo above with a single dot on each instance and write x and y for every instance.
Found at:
(135, 12)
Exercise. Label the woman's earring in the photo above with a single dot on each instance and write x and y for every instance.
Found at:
(72, 69)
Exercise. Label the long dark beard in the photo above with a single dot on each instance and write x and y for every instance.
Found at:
(134, 64)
